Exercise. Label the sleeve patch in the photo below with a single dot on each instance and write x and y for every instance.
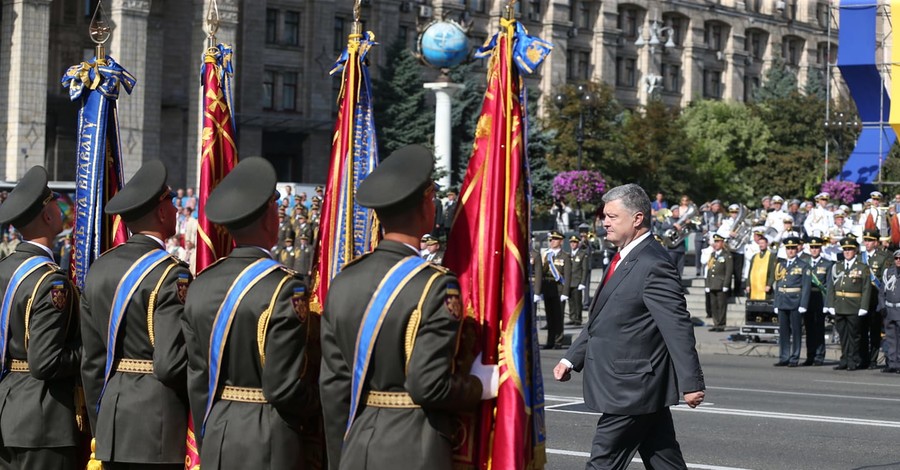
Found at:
(59, 294)
(451, 300)
(182, 283)
(298, 299)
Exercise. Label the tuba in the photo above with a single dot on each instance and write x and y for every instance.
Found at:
(672, 237)
(742, 228)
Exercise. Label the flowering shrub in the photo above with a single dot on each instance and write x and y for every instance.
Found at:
(579, 186)
(844, 191)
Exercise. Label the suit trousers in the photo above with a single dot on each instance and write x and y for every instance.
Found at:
(553, 307)
(699, 244)
(892, 337)
(814, 320)
(847, 327)
(575, 304)
(618, 437)
(738, 259)
(789, 335)
(870, 335)
(718, 307)
(52, 458)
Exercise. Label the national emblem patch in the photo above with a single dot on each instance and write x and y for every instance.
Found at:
(182, 283)
(451, 300)
(59, 294)
(300, 304)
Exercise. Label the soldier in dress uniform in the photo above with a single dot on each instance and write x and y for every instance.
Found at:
(819, 220)
(134, 366)
(557, 269)
(285, 230)
(870, 325)
(718, 279)
(41, 345)
(434, 252)
(537, 274)
(890, 298)
(394, 393)
(578, 279)
(847, 299)
(287, 256)
(303, 259)
(814, 318)
(791, 299)
(245, 327)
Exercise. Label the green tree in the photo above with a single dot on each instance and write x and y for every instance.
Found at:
(779, 82)
(815, 84)
(466, 110)
(401, 114)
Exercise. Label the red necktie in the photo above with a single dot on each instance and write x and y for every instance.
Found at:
(612, 267)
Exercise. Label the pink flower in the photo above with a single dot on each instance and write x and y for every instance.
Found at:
(844, 191)
(580, 186)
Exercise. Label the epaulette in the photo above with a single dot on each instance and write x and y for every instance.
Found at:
(289, 271)
(180, 261)
(356, 260)
(439, 268)
(113, 248)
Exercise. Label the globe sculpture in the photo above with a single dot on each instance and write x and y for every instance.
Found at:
(444, 44)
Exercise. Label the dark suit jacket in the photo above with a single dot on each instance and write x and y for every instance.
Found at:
(387, 438)
(637, 350)
(158, 401)
(239, 434)
(37, 409)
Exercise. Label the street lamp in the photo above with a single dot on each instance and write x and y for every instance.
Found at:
(838, 125)
(584, 98)
(656, 30)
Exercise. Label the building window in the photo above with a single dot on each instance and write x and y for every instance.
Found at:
(712, 84)
(822, 54)
(570, 65)
(751, 84)
(823, 14)
(792, 50)
(628, 22)
(89, 7)
(715, 36)
(584, 15)
(340, 33)
(755, 43)
(677, 23)
(479, 6)
(289, 91)
(671, 74)
(584, 65)
(535, 8)
(625, 71)
(753, 5)
(268, 89)
(271, 26)
(292, 28)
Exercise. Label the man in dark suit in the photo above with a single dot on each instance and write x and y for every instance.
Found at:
(640, 344)
(144, 380)
(246, 326)
(37, 420)
(412, 392)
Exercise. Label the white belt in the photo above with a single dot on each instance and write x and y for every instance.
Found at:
(888, 304)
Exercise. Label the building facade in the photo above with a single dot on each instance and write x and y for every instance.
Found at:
(285, 107)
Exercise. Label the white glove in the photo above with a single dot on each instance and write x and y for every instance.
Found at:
(537, 298)
(488, 375)
(724, 289)
(829, 310)
(706, 289)
(580, 286)
(563, 298)
(802, 310)
(776, 309)
(863, 312)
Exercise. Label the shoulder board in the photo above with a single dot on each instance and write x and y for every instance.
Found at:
(289, 271)
(357, 260)
(180, 261)
(439, 268)
(113, 248)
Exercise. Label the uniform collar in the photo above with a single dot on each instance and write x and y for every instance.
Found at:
(38, 245)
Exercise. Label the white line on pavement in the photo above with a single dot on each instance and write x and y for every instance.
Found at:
(637, 460)
(822, 395)
(857, 383)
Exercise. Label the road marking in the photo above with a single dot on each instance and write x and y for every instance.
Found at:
(700, 466)
(822, 395)
(857, 383)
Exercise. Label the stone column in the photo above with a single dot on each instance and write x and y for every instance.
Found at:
(443, 92)
(24, 54)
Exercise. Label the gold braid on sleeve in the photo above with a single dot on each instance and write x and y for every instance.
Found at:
(151, 304)
(263, 324)
(30, 302)
(412, 328)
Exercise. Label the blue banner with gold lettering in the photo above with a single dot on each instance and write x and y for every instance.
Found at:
(98, 175)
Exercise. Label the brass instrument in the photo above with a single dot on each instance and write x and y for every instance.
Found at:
(742, 228)
(672, 237)
(663, 214)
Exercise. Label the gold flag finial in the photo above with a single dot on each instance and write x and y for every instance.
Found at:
(357, 24)
(100, 30)
(212, 22)
(510, 12)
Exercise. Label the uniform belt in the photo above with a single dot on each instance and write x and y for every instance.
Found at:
(789, 290)
(815, 289)
(852, 295)
(390, 400)
(243, 394)
(134, 366)
(18, 365)
(892, 305)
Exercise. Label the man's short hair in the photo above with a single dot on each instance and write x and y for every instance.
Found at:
(633, 198)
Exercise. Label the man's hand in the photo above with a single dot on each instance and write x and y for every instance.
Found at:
(768, 288)
(724, 289)
(801, 310)
(537, 298)
(693, 399)
(776, 310)
(562, 372)
(563, 298)
(706, 289)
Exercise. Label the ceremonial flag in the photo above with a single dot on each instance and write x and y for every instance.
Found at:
(98, 175)
(218, 149)
(346, 229)
(488, 250)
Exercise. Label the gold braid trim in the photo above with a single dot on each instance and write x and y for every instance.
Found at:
(412, 328)
(30, 301)
(151, 304)
(263, 324)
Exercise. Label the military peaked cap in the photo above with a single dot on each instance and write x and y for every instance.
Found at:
(554, 235)
(816, 242)
(398, 177)
(28, 198)
(849, 242)
(791, 242)
(243, 195)
(871, 234)
(141, 193)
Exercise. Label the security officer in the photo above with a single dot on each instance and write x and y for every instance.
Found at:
(847, 298)
(408, 389)
(557, 269)
(791, 299)
(578, 279)
(245, 327)
(434, 252)
(134, 366)
(814, 318)
(870, 325)
(718, 279)
(41, 345)
(303, 259)
(891, 301)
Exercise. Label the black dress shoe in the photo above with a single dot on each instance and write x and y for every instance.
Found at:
(807, 362)
(872, 366)
(547, 346)
(841, 367)
(888, 370)
(852, 367)
(793, 364)
(818, 363)
(780, 364)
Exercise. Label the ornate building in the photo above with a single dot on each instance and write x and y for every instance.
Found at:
(285, 101)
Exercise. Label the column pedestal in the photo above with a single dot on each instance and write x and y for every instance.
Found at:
(443, 92)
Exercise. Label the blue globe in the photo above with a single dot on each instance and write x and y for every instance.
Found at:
(444, 44)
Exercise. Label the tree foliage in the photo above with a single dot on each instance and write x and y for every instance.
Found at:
(779, 82)
(401, 114)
